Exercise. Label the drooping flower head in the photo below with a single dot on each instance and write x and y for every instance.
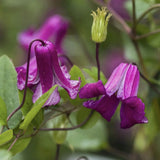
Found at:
(121, 86)
(54, 28)
(100, 23)
(45, 72)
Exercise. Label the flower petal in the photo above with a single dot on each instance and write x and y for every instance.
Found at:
(25, 38)
(91, 90)
(44, 65)
(52, 100)
(130, 83)
(106, 106)
(132, 112)
(115, 79)
(55, 27)
(72, 86)
(32, 76)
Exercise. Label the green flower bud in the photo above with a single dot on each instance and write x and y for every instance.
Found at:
(100, 23)
(60, 122)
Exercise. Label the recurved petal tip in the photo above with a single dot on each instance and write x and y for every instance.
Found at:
(132, 112)
(106, 106)
(91, 90)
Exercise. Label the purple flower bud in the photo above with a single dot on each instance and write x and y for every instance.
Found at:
(115, 79)
(124, 80)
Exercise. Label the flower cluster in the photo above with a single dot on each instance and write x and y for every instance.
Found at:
(46, 71)
(121, 86)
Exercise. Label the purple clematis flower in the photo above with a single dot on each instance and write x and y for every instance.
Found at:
(121, 86)
(44, 72)
(54, 28)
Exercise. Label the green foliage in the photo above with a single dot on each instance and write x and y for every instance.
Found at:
(88, 139)
(93, 74)
(5, 155)
(75, 73)
(27, 107)
(8, 90)
(36, 108)
(19, 145)
(3, 112)
(83, 113)
(28, 101)
(6, 136)
(38, 119)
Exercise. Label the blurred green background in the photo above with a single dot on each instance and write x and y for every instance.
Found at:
(104, 139)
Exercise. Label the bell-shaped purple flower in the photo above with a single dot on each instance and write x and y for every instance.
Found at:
(44, 72)
(121, 86)
(54, 29)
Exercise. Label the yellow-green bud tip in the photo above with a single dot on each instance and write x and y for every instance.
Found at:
(100, 23)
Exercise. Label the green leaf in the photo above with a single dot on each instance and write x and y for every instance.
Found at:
(5, 155)
(28, 101)
(75, 73)
(19, 145)
(6, 136)
(83, 113)
(38, 118)
(9, 91)
(36, 108)
(27, 107)
(93, 74)
(89, 139)
(3, 112)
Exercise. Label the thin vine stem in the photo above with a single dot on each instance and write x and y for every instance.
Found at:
(150, 83)
(119, 19)
(133, 16)
(15, 140)
(1, 130)
(97, 60)
(147, 34)
(57, 152)
(135, 43)
(71, 128)
(156, 6)
(26, 81)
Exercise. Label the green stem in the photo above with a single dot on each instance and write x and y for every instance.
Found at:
(26, 81)
(148, 34)
(57, 152)
(71, 128)
(133, 16)
(97, 60)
